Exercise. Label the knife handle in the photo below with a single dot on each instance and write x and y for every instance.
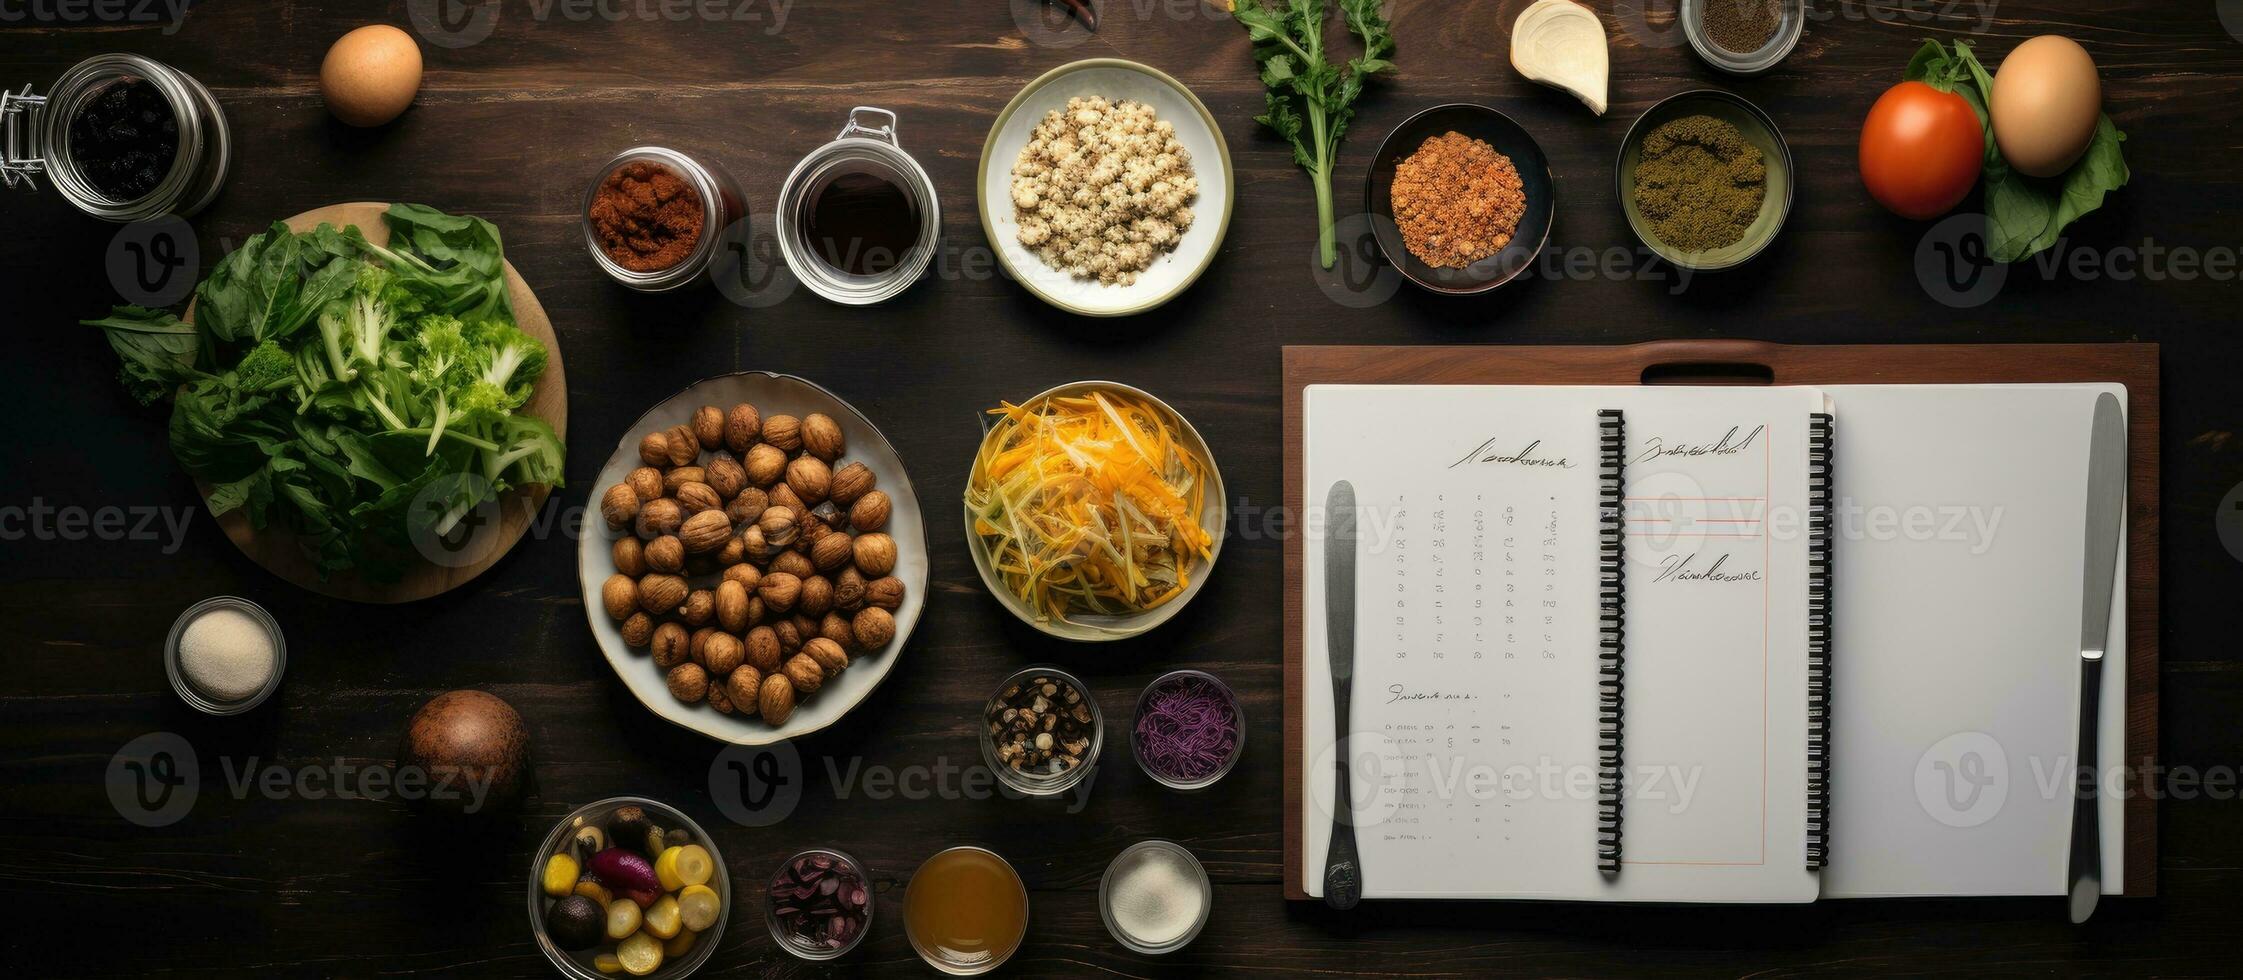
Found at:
(1343, 871)
(2086, 885)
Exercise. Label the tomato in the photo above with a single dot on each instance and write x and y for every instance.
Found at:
(1921, 149)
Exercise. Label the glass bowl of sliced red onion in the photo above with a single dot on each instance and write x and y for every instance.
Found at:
(1188, 731)
(820, 904)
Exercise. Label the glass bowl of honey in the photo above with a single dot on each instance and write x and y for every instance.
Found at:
(966, 911)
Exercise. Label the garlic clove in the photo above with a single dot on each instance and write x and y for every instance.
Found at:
(1562, 44)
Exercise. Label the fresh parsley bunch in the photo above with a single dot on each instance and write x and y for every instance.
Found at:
(1312, 98)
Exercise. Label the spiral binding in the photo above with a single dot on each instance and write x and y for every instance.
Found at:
(1819, 540)
(1611, 636)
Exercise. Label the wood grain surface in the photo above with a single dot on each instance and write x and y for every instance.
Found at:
(297, 882)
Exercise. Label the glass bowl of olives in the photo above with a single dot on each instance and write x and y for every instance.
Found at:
(628, 886)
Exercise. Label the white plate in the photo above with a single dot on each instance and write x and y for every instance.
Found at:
(1117, 80)
(771, 394)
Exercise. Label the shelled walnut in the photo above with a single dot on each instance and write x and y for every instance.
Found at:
(749, 560)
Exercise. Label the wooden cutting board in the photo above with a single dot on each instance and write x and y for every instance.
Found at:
(275, 548)
(1753, 362)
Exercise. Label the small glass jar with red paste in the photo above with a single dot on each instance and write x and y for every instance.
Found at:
(656, 219)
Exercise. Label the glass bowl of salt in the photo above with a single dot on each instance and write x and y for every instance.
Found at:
(1155, 897)
(225, 655)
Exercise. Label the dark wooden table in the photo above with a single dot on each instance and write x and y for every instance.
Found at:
(512, 127)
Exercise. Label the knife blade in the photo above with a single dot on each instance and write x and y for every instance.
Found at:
(1343, 874)
(2106, 514)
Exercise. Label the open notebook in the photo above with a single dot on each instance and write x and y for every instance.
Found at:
(1705, 644)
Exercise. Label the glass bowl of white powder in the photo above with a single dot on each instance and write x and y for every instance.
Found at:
(225, 655)
(1155, 897)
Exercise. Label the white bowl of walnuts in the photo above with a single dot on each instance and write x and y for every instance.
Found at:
(753, 558)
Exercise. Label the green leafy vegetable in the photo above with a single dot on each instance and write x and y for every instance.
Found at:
(2024, 215)
(395, 414)
(1311, 99)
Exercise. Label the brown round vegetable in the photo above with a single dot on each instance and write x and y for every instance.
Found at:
(874, 628)
(821, 437)
(742, 427)
(619, 506)
(870, 512)
(875, 553)
(775, 699)
(467, 738)
(620, 595)
(689, 683)
(783, 432)
(708, 426)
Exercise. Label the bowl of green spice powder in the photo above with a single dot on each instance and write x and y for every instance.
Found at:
(1705, 180)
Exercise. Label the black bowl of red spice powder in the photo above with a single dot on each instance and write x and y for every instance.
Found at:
(1188, 730)
(1460, 199)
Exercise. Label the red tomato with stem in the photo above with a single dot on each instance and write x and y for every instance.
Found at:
(1921, 149)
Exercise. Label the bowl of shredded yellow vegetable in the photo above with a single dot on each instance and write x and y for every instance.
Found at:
(1094, 511)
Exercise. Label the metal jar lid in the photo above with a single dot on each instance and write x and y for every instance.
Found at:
(860, 139)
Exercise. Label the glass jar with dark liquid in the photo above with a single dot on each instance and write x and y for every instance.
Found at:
(858, 217)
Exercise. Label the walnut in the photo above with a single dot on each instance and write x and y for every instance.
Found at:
(619, 506)
(789, 633)
(742, 426)
(698, 643)
(765, 464)
(764, 653)
(874, 628)
(700, 607)
(723, 653)
(875, 554)
(783, 432)
(747, 505)
(870, 512)
(792, 563)
(708, 426)
(884, 593)
(620, 595)
(696, 498)
(684, 446)
(741, 686)
(775, 699)
(720, 698)
(727, 477)
(671, 645)
(751, 541)
(689, 683)
(849, 483)
(817, 596)
(734, 552)
(638, 630)
(659, 516)
(779, 591)
(835, 627)
(629, 554)
(778, 524)
(683, 475)
(830, 656)
(665, 554)
(732, 606)
(821, 437)
(661, 594)
(832, 552)
(849, 589)
(748, 576)
(784, 496)
(804, 673)
(654, 449)
(646, 481)
(809, 478)
(705, 532)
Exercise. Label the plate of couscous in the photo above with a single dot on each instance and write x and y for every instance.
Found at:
(1105, 187)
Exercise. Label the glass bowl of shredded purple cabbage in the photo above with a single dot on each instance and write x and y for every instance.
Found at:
(1189, 730)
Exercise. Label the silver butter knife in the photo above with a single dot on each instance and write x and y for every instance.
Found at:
(1343, 872)
(2106, 521)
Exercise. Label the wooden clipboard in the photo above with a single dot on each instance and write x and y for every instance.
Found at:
(1755, 362)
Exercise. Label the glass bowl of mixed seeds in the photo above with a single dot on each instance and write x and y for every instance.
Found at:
(1041, 731)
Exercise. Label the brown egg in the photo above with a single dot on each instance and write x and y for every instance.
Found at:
(2045, 103)
(371, 75)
